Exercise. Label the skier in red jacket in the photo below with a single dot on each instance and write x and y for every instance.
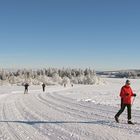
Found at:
(126, 95)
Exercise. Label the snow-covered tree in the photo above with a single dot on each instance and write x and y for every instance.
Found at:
(56, 78)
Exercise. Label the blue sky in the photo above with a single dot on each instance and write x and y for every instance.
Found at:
(101, 34)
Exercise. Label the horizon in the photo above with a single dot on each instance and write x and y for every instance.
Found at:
(101, 35)
(41, 68)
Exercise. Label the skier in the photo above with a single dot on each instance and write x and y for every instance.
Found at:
(43, 86)
(126, 95)
(26, 88)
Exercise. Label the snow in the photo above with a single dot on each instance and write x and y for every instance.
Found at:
(82, 112)
(107, 94)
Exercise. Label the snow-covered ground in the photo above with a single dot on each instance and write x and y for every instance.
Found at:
(71, 113)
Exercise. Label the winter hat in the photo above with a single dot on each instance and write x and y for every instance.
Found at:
(127, 82)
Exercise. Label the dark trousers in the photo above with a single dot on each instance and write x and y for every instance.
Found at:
(26, 91)
(123, 108)
(122, 102)
(43, 89)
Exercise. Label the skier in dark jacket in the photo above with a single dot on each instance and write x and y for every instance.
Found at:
(43, 86)
(126, 95)
(26, 88)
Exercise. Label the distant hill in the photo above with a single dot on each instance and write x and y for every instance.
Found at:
(120, 74)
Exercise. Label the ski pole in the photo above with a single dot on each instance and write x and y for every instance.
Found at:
(133, 101)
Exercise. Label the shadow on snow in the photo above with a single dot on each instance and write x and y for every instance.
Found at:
(57, 122)
(111, 124)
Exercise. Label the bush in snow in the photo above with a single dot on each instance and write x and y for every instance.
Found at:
(66, 81)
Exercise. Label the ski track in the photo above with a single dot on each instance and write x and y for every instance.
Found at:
(51, 116)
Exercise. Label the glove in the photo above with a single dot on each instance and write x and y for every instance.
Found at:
(134, 95)
(127, 94)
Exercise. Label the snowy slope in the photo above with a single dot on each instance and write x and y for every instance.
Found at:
(66, 113)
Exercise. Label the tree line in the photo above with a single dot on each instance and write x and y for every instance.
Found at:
(49, 76)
